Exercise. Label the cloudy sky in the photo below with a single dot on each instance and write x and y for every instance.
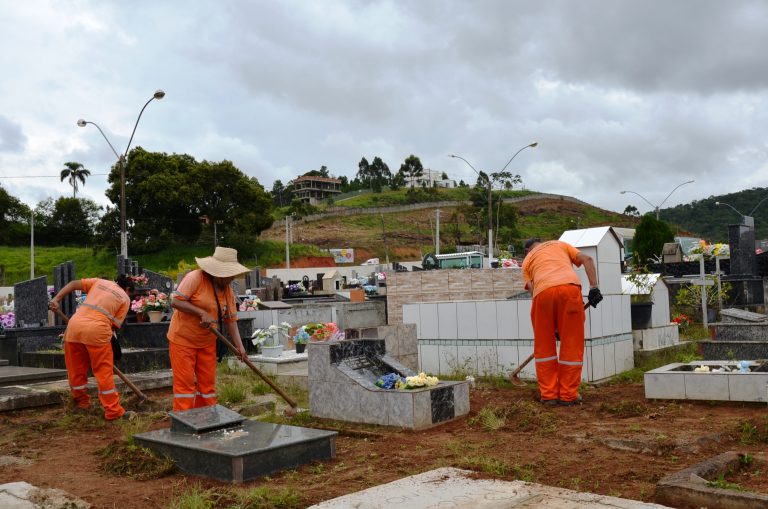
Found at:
(620, 95)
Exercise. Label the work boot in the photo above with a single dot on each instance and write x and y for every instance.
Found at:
(574, 402)
(548, 402)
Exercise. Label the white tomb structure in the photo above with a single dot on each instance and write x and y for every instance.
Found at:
(661, 333)
(488, 337)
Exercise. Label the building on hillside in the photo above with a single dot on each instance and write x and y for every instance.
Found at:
(431, 178)
(313, 190)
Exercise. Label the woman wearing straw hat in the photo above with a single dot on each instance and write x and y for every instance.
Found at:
(203, 299)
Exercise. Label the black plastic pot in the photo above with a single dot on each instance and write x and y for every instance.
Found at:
(641, 314)
(300, 347)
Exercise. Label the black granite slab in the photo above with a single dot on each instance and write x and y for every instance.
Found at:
(31, 302)
(17, 375)
(243, 453)
(443, 408)
(205, 419)
(133, 360)
(357, 348)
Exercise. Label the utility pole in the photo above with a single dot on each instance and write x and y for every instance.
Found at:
(437, 235)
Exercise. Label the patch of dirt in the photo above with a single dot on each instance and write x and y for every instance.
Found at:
(752, 477)
(617, 443)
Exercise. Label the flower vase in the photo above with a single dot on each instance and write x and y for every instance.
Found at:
(141, 317)
(272, 351)
(300, 347)
(155, 316)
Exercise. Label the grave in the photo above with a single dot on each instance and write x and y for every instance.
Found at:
(63, 273)
(31, 302)
(18, 375)
(723, 381)
(740, 335)
(342, 376)
(221, 444)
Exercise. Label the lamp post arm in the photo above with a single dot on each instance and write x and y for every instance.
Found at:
(468, 163)
(758, 204)
(530, 145)
(105, 137)
(136, 125)
(731, 207)
(641, 196)
(672, 191)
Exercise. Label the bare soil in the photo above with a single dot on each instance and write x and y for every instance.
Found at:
(617, 443)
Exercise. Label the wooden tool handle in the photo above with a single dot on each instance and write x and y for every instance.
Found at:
(256, 370)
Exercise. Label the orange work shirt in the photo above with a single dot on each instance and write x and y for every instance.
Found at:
(197, 289)
(105, 306)
(550, 264)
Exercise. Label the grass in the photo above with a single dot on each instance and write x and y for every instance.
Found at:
(491, 418)
(624, 408)
(723, 484)
(130, 460)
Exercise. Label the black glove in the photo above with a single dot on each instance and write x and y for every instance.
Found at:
(117, 352)
(594, 297)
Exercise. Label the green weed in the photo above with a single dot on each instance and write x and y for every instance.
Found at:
(491, 418)
(624, 408)
(232, 392)
(128, 460)
(723, 484)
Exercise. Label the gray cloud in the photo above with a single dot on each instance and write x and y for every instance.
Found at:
(12, 138)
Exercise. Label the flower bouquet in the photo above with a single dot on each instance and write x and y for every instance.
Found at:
(141, 280)
(8, 320)
(249, 304)
(268, 339)
(296, 289)
(323, 331)
(395, 381)
(682, 321)
(154, 304)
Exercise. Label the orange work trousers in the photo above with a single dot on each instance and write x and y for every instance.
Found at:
(79, 357)
(194, 376)
(560, 309)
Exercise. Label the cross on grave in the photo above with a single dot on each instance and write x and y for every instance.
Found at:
(704, 283)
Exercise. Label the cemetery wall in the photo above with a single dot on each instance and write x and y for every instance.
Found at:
(448, 286)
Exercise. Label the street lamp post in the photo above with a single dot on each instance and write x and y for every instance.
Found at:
(748, 219)
(121, 161)
(490, 194)
(657, 207)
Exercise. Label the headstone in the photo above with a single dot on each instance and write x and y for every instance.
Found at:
(253, 278)
(741, 239)
(31, 302)
(63, 274)
(159, 281)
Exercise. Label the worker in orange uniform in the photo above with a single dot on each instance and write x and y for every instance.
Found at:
(88, 336)
(203, 299)
(558, 308)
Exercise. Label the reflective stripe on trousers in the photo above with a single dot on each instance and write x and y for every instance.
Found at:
(78, 358)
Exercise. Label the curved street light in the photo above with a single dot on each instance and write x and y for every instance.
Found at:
(490, 194)
(121, 160)
(657, 207)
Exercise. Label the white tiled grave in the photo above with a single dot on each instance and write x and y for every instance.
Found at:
(288, 363)
(680, 381)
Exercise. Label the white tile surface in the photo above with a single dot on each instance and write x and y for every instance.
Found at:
(525, 327)
(598, 362)
(625, 359)
(448, 358)
(486, 319)
(587, 322)
(596, 321)
(706, 386)
(609, 352)
(428, 319)
(616, 315)
(429, 360)
(466, 313)
(664, 385)
(626, 317)
(506, 313)
(411, 315)
(487, 360)
(609, 276)
(507, 358)
(606, 311)
(447, 320)
(467, 356)
(528, 372)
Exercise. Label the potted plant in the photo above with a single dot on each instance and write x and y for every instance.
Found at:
(153, 305)
(301, 338)
(641, 297)
(268, 340)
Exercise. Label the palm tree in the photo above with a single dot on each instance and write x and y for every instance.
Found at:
(75, 172)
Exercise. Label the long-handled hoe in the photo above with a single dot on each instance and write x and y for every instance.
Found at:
(289, 412)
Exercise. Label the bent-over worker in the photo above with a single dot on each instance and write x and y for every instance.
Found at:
(87, 339)
(558, 307)
(203, 299)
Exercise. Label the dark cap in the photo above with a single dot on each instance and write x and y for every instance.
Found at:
(530, 242)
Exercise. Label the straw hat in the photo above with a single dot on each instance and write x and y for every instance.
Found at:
(223, 263)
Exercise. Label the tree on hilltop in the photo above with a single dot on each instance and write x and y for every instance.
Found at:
(74, 172)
